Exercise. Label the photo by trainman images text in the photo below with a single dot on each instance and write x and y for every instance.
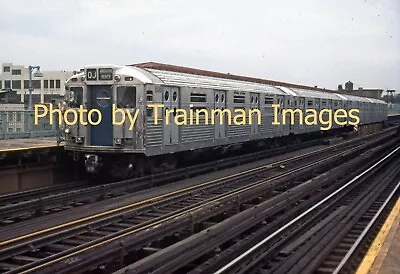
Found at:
(183, 117)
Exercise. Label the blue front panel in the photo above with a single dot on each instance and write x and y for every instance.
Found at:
(101, 99)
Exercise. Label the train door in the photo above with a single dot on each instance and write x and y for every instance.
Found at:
(254, 105)
(290, 105)
(220, 103)
(125, 97)
(318, 109)
(347, 105)
(340, 106)
(280, 125)
(369, 104)
(101, 99)
(333, 108)
(171, 101)
(301, 105)
(287, 118)
(358, 105)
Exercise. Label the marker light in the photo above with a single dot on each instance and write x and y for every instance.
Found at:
(63, 107)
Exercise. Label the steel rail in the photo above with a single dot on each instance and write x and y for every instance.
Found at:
(183, 191)
(176, 193)
(302, 215)
(150, 180)
(365, 231)
(57, 258)
(18, 203)
(213, 238)
(28, 194)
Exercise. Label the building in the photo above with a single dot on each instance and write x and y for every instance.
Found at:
(47, 88)
(372, 92)
(368, 92)
(349, 86)
(9, 97)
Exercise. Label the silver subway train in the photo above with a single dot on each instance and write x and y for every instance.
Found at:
(149, 94)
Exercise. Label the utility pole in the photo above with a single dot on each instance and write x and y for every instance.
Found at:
(38, 73)
(30, 107)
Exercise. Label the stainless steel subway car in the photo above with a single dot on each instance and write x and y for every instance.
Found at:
(126, 149)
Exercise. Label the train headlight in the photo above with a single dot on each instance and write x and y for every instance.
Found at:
(63, 107)
(117, 78)
(79, 140)
(67, 131)
(118, 141)
(72, 96)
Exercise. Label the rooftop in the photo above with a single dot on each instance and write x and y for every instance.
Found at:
(174, 68)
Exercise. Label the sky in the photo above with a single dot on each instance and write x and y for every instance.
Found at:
(312, 42)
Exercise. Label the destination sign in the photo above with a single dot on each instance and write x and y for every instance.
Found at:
(105, 74)
(91, 74)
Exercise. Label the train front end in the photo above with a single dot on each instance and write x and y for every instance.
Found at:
(102, 123)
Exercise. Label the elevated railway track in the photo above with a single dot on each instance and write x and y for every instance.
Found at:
(144, 228)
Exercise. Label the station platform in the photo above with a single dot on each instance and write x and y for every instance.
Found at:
(383, 256)
(12, 145)
(31, 163)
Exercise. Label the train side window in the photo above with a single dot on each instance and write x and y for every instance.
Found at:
(126, 97)
(76, 96)
(222, 98)
(239, 99)
(269, 101)
(198, 98)
(302, 100)
(216, 98)
(166, 95)
(174, 96)
(309, 103)
(149, 96)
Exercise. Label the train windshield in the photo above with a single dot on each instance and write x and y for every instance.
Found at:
(126, 97)
(75, 96)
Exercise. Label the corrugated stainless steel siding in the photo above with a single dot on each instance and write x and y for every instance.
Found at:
(201, 132)
(238, 130)
(154, 133)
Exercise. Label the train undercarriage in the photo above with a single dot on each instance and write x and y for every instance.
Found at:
(125, 166)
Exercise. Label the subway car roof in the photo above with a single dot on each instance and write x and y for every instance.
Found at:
(157, 73)
(185, 76)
